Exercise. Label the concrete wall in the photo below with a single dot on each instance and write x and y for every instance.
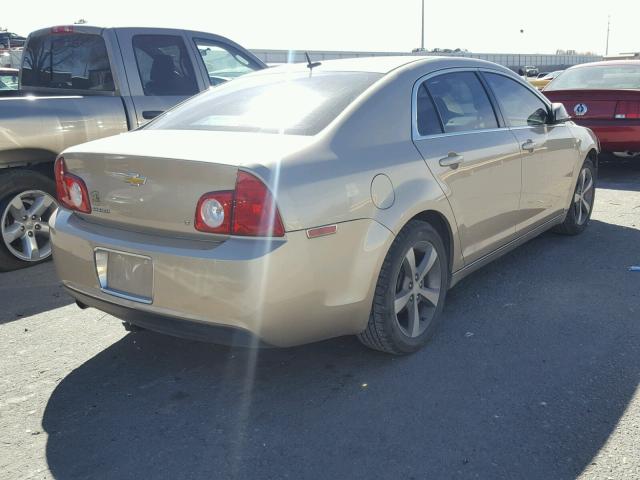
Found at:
(511, 60)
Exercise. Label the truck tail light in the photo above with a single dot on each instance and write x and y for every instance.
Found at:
(249, 210)
(627, 110)
(70, 189)
(62, 29)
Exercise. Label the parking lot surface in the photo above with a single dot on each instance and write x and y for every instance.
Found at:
(534, 373)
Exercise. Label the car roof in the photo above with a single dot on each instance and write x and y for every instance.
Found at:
(608, 63)
(384, 64)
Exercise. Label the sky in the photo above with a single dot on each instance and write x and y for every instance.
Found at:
(369, 25)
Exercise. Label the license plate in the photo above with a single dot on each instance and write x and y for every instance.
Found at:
(125, 275)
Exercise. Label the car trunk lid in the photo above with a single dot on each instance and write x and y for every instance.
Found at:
(592, 104)
(152, 180)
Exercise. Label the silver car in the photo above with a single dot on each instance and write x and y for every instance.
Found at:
(305, 202)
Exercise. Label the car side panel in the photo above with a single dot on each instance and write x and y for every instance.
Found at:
(330, 181)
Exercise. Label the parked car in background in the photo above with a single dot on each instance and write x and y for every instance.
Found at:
(9, 78)
(11, 40)
(294, 204)
(530, 71)
(604, 96)
(79, 83)
(541, 82)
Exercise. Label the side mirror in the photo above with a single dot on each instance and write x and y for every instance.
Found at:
(559, 113)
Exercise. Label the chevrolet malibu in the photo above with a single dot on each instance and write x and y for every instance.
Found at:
(305, 202)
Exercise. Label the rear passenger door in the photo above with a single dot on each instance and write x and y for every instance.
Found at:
(548, 151)
(160, 70)
(475, 159)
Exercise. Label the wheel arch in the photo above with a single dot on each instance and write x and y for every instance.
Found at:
(440, 223)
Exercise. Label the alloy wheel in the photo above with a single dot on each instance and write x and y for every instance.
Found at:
(24, 225)
(418, 289)
(583, 198)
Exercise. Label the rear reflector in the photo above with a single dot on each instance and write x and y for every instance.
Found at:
(322, 231)
(627, 110)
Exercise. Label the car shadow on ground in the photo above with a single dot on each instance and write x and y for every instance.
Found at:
(30, 291)
(532, 368)
(620, 174)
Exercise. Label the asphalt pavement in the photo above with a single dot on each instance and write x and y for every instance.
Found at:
(533, 373)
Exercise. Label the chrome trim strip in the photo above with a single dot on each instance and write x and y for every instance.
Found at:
(101, 262)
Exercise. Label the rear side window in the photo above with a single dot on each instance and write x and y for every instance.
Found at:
(520, 106)
(73, 61)
(427, 116)
(462, 102)
(164, 65)
(223, 62)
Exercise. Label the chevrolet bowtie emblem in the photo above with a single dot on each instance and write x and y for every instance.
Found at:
(135, 179)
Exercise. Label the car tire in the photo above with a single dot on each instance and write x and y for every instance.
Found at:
(32, 186)
(392, 328)
(582, 202)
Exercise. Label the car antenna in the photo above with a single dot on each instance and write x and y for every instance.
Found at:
(311, 65)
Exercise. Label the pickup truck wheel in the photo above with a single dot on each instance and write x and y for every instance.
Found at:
(26, 203)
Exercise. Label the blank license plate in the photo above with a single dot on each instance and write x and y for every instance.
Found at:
(125, 275)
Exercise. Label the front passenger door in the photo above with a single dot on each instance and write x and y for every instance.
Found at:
(476, 162)
(548, 151)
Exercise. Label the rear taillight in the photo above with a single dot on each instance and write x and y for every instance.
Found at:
(627, 110)
(249, 210)
(71, 190)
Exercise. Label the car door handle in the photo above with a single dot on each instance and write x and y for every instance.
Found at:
(529, 146)
(452, 160)
(149, 114)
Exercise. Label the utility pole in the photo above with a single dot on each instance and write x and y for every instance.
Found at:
(608, 30)
(422, 44)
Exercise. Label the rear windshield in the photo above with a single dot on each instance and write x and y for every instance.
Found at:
(72, 61)
(598, 77)
(290, 103)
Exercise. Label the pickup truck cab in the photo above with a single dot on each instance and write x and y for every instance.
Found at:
(80, 83)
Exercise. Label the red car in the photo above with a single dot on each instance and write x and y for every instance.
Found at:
(604, 96)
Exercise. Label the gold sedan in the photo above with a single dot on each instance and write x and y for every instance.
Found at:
(542, 82)
(310, 201)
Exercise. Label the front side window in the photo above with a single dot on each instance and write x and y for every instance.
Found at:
(223, 62)
(462, 102)
(164, 65)
(74, 61)
(288, 103)
(520, 106)
(598, 77)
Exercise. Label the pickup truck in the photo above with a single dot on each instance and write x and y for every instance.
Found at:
(79, 83)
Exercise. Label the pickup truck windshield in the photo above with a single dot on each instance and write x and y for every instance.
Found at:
(73, 61)
(598, 77)
(290, 103)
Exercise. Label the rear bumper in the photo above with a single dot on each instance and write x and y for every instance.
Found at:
(286, 291)
(615, 135)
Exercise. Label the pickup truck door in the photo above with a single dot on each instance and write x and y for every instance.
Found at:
(160, 69)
